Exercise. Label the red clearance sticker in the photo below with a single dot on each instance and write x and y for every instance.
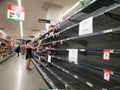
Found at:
(106, 54)
(107, 75)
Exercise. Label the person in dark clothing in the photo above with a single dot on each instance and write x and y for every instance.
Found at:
(29, 54)
(17, 50)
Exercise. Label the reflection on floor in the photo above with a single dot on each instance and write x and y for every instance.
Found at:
(14, 76)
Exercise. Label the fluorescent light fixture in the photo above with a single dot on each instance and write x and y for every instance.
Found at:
(21, 29)
(69, 10)
(19, 3)
(21, 23)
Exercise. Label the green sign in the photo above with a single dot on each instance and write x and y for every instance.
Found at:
(15, 13)
(43, 89)
(83, 3)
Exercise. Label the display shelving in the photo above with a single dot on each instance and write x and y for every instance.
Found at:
(90, 67)
(6, 49)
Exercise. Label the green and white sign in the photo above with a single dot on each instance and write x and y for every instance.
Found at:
(15, 13)
(83, 3)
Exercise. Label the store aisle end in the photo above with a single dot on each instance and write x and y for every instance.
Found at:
(14, 76)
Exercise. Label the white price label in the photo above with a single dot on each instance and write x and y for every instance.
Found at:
(107, 31)
(82, 50)
(49, 58)
(89, 84)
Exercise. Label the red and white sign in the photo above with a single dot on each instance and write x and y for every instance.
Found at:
(106, 54)
(107, 75)
(15, 13)
(10, 43)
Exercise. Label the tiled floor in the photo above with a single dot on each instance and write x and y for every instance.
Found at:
(14, 76)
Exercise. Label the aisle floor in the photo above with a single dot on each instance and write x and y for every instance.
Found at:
(14, 76)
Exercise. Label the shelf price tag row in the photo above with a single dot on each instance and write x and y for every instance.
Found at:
(108, 31)
(89, 84)
(82, 50)
(75, 76)
(60, 68)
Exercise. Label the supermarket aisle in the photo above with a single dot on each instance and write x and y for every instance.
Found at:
(14, 76)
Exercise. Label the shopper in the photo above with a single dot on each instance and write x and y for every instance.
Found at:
(17, 50)
(23, 49)
(29, 54)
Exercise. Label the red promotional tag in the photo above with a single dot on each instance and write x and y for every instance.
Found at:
(106, 54)
(107, 75)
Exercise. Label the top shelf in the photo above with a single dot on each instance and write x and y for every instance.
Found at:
(96, 7)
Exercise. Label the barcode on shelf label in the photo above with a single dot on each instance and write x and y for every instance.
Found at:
(82, 49)
(58, 67)
(68, 38)
(89, 84)
(59, 79)
(63, 69)
(107, 31)
(58, 57)
(66, 71)
(104, 89)
(51, 83)
(52, 72)
(75, 76)
(67, 49)
(68, 27)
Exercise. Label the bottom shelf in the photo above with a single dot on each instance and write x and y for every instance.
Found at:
(45, 77)
(71, 81)
(1, 61)
(60, 78)
(56, 82)
(93, 76)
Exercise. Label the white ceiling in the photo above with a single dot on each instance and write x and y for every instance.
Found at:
(34, 11)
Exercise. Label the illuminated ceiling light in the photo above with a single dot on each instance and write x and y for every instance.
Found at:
(21, 29)
(21, 23)
(69, 10)
(19, 3)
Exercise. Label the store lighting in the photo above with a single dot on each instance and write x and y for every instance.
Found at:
(21, 24)
(69, 10)
(21, 29)
(19, 3)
